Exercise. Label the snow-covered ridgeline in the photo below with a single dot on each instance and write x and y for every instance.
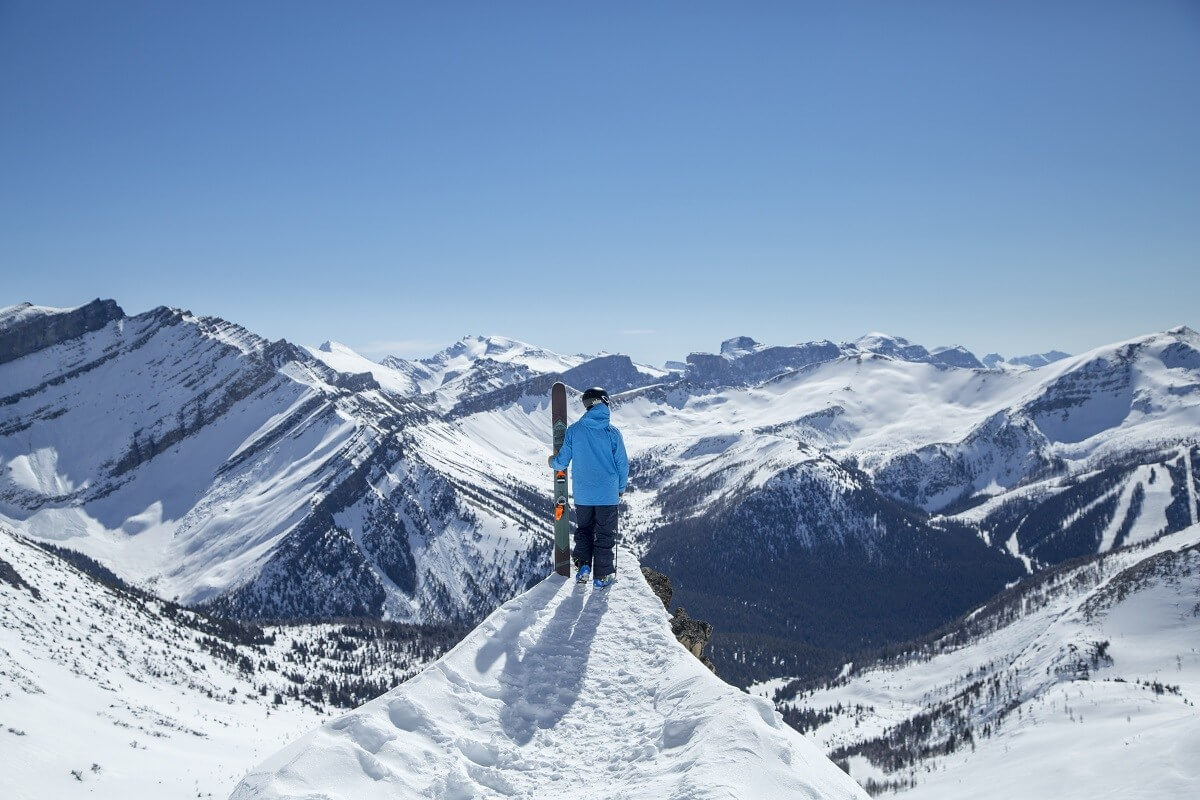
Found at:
(562, 691)
(184, 452)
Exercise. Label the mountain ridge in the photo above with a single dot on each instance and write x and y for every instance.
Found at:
(534, 689)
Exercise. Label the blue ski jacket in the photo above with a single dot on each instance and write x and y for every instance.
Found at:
(598, 452)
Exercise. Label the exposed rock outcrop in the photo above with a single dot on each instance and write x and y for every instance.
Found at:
(693, 634)
(615, 373)
(9, 575)
(661, 585)
(36, 331)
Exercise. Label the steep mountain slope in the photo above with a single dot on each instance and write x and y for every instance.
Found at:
(818, 561)
(1087, 677)
(108, 692)
(342, 358)
(201, 461)
(26, 328)
(563, 691)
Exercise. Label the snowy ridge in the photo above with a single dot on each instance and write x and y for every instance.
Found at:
(23, 312)
(563, 691)
(478, 364)
(201, 461)
(343, 359)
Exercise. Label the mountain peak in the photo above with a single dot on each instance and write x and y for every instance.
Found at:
(738, 345)
(474, 346)
(26, 328)
(876, 338)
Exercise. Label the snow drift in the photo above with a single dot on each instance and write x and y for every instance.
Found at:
(561, 691)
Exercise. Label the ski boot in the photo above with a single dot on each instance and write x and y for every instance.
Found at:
(585, 572)
(605, 582)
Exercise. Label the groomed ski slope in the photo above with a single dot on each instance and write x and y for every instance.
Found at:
(564, 691)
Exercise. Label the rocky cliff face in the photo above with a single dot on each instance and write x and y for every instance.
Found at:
(614, 373)
(743, 362)
(25, 328)
(693, 634)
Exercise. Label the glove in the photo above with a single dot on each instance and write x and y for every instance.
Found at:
(550, 460)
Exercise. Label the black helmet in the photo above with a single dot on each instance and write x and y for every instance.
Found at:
(593, 396)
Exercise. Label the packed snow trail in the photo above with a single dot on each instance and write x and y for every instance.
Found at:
(563, 691)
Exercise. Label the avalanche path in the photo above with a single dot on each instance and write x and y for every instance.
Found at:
(562, 691)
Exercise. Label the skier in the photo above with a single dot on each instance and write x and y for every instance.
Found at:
(601, 472)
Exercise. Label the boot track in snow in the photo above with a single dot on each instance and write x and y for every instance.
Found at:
(563, 691)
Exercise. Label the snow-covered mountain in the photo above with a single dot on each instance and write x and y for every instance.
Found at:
(737, 500)
(562, 691)
(477, 365)
(1080, 684)
(204, 463)
(814, 501)
(109, 692)
(26, 328)
(743, 361)
(209, 465)
(899, 347)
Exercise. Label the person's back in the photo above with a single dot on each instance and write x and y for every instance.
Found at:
(600, 470)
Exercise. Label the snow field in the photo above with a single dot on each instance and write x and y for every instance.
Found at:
(163, 706)
(103, 697)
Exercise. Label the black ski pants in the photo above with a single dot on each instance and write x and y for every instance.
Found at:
(595, 538)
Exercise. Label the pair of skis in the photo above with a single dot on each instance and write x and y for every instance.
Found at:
(562, 519)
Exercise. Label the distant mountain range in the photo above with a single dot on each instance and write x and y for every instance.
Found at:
(925, 559)
(811, 500)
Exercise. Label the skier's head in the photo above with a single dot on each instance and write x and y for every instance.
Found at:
(593, 396)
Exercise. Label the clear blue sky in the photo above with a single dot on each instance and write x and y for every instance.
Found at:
(1006, 175)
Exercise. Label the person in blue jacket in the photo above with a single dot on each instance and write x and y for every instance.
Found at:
(601, 471)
